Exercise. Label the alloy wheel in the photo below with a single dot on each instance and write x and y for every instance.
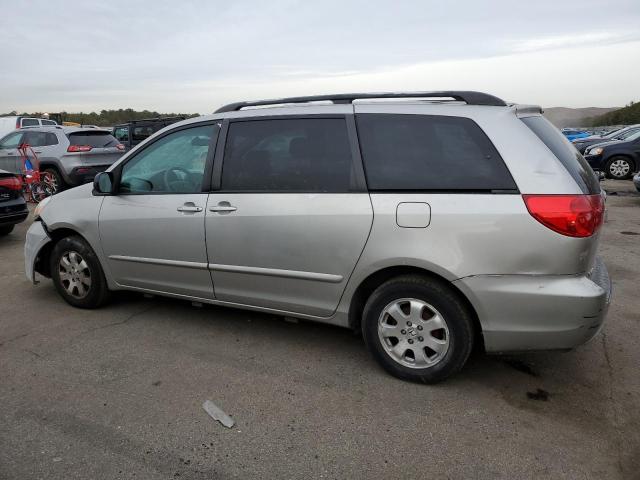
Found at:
(413, 333)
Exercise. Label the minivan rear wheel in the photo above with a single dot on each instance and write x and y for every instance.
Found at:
(77, 274)
(619, 168)
(418, 329)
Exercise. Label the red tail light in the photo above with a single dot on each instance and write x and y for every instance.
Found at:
(11, 183)
(17, 123)
(120, 146)
(570, 215)
(79, 148)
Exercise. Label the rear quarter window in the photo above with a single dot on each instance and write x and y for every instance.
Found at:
(429, 152)
(566, 153)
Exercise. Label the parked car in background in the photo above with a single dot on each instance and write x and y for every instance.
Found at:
(574, 134)
(70, 156)
(132, 133)
(582, 143)
(13, 208)
(333, 213)
(618, 158)
(8, 124)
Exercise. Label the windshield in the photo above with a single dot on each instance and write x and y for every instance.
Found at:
(632, 135)
(613, 133)
(628, 134)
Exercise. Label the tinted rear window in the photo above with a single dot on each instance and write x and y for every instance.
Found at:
(30, 122)
(429, 152)
(96, 139)
(572, 160)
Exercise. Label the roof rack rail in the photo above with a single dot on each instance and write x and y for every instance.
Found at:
(470, 97)
(153, 119)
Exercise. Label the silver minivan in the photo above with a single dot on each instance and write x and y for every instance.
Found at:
(432, 222)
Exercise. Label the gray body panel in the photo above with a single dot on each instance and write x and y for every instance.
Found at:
(280, 236)
(306, 254)
(150, 244)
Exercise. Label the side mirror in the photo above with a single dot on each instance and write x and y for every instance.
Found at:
(103, 184)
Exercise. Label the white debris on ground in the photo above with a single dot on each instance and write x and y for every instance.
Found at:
(217, 414)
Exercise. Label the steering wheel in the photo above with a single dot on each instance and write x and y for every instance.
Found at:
(178, 179)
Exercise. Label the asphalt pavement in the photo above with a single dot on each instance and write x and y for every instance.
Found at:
(118, 392)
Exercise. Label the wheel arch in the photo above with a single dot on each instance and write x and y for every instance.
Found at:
(377, 278)
(42, 265)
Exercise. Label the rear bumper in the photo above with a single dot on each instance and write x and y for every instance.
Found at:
(37, 238)
(539, 312)
(13, 211)
(85, 174)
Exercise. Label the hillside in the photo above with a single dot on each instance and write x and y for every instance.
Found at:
(623, 116)
(575, 117)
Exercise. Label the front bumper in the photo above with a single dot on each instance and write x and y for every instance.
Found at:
(37, 238)
(594, 161)
(539, 312)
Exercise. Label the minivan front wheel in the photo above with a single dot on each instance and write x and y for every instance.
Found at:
(77, 274)
(619, 168)
(418, 329)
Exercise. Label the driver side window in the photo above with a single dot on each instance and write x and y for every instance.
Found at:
(173, 164)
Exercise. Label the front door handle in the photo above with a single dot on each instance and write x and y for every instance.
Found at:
(189, 207)
(223, 207)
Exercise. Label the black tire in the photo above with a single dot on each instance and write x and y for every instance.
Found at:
(6, 230)
(60, 184)
(437, 294)
(611, 172)
(97, 293)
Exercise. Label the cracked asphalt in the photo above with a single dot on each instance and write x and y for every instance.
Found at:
(118, 392)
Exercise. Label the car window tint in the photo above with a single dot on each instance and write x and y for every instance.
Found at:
(12, 141)
(30, 122)
(35, 139)
(51, 139)
(48, 122)
(288, 155)
(141, 133)
(429, 152)
(93, 138)
(122, 134)
(566, 153)
(173, 164)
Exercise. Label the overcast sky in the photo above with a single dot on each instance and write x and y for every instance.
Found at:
(192, 56)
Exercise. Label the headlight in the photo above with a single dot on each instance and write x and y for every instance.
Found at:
(595, 151)
(40, 207)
